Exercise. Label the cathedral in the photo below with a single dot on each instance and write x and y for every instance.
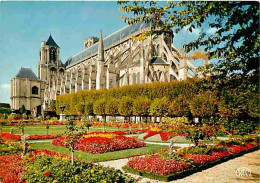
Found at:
(119, 59)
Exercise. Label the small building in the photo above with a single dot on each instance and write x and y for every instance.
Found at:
(27, 89)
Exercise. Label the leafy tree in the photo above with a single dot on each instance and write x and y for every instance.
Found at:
(179, 107)
(126, 107)
(112, 107)
(22, 109)
(159, 107)
(80, 108)
(204, 105)
(235, 41)
(99, 108)
(88, 108)
(141, 107)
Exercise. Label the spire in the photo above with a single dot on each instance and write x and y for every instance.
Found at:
(101, 48)
(51, 42)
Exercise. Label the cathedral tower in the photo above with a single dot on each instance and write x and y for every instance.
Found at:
(48, 60)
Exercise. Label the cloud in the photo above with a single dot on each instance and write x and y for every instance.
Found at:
(212, 31)
(194, 31)
(5, 86)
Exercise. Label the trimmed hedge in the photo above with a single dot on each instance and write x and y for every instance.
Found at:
(151, 91)
(187, 172)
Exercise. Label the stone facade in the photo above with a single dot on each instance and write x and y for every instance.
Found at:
(116, 60)
(27, 90)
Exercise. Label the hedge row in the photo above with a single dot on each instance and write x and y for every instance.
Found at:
(190, 98)
(170, 90)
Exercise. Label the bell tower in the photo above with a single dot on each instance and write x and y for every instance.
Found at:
(48, 59)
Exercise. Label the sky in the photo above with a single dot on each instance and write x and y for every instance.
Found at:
(23, 25)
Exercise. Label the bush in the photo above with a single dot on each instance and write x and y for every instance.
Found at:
(54, 169)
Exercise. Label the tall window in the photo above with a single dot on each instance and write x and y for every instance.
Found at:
(35, 90)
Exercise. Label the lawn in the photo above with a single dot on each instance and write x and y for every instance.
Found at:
(100, 157)
(54, 129)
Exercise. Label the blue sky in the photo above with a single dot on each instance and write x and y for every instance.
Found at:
(23, 25)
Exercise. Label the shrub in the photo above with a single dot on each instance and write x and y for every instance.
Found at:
(99, 108)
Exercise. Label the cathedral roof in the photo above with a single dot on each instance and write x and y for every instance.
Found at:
(109, 41)
(27, 73)
(51, 42)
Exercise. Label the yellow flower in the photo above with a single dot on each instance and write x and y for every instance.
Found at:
(91, 171)
(76, 177)
(44, 167)
(55, 181)
(100, 171)
(103, 181)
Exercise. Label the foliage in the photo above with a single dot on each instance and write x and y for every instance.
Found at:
(22, 110)
(112, 106)
(141, 106)
(159, 107)
(89, 108)
(235, 41)
(126, 106)
(179, 107)
(204, 105)
(52, 169)
(99, 107)
(80, 108)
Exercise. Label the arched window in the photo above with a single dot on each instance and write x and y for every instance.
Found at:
(35, 90)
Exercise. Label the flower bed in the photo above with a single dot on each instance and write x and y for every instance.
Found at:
(97, 142)
(49, 166)
(162, 166)
(30, 137)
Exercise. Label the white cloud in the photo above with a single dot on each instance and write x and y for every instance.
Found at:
(194, 31)
(5, 86)
(212, 31)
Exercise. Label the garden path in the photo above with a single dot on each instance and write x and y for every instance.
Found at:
(224, 172)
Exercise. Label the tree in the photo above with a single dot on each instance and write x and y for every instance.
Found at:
(112, 107)
(159, 107)
(141, 106)
(204, 105)
(22, 109)
(126, 107)
(179, 107)
(89, 108)
(235, 27)
(99, 108)
(80, 108)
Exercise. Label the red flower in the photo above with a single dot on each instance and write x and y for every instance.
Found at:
(222, 112)
(47, 174)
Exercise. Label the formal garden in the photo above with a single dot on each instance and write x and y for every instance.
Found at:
(163, 131)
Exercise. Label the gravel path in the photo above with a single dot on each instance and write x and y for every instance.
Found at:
(224, 172)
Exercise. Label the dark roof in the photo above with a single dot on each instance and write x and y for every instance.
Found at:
(27, 73)
(51, 42)
(108, 41)
(157, 60)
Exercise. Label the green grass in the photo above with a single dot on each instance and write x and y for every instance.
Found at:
(100, 157)
(54, 129)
